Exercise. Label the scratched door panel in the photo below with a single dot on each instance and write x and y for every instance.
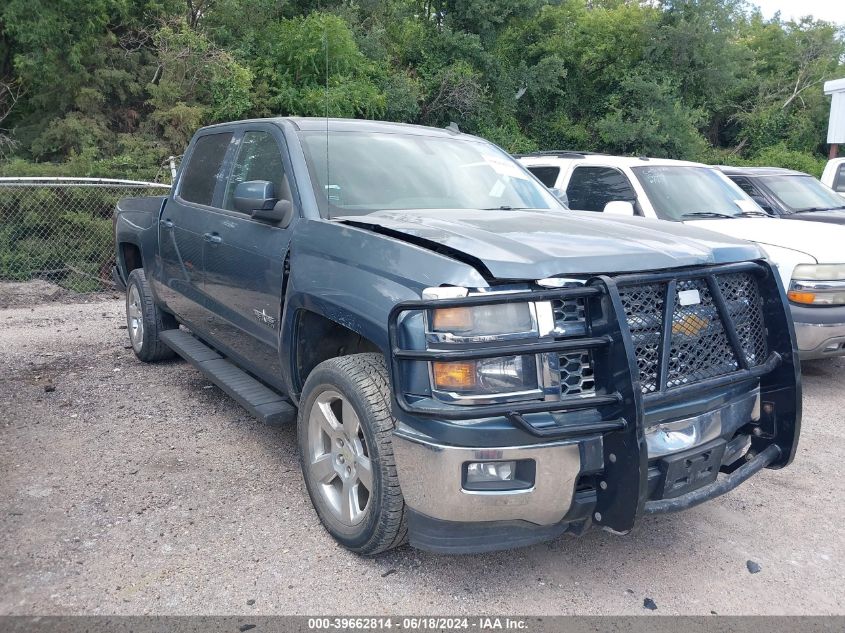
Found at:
(243, 282)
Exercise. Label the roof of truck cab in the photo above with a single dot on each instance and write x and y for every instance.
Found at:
(759, 171)
(566, 157)
(350, 125)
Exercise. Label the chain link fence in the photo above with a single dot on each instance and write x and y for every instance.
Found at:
(60, 229)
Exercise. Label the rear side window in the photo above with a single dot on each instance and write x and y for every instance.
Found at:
(591, 188)
(547, 175)
(839, 180)
(204, 168)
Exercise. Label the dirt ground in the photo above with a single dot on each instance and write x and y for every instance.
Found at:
(141, 489)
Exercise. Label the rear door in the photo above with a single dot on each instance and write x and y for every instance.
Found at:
(244, 262)
(183, 226)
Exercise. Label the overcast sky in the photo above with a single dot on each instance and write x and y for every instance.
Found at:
(831, 10)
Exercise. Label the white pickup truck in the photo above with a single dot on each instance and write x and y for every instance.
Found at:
(809, 256)
(834, 175)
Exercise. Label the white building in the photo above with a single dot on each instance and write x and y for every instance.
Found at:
(836, 124)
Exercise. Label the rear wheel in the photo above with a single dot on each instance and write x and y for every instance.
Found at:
(145, 320)
(345, 431)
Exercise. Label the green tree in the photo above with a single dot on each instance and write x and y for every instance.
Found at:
(112, 87)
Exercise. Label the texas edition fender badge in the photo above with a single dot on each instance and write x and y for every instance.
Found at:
(267, 319)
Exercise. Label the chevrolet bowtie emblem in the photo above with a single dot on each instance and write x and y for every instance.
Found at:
(689, 325)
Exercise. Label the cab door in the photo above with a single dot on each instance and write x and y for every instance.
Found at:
(183, 227)
(245, 258)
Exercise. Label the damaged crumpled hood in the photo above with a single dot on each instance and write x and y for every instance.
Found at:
(536, 244)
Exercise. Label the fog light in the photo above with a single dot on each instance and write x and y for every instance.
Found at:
(482, 472)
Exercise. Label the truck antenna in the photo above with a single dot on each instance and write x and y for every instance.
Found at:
(328, 181)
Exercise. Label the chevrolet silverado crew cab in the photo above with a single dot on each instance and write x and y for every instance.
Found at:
(471, 366)
(807, 255)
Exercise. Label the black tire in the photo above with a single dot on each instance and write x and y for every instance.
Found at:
(141, 309)
(361, 381)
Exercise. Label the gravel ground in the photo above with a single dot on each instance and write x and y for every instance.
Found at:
(142, 489)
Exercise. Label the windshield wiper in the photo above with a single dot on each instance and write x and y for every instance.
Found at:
(706, 214)
(505, 207)
(811, 209)
(754, 214)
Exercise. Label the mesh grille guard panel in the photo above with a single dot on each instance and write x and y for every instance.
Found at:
(700, 347)
(745, 305)
(644, 314)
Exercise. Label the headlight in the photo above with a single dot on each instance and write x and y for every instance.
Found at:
(818, 284)
(819, 272)
(502, 319)
(486, 377)
(501, 378)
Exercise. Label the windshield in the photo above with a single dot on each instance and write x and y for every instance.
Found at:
(375, 171)
(803, 193)
(684, 192)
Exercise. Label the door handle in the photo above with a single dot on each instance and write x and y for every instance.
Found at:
(167, 224)
(212, 238)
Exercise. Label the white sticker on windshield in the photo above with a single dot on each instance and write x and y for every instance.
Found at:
(747, 205)
(504, 167)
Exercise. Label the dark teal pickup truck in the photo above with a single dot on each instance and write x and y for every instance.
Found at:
(471, 366)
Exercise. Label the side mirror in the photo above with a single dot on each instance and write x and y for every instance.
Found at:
(254, 195)
(619, 207)
(281, 213)
(560, 194)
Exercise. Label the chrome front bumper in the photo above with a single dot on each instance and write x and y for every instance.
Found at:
(819, 330)
(430, 474)
(820, 340)
(430, 478)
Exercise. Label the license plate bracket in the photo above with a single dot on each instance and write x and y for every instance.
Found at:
(690, 470)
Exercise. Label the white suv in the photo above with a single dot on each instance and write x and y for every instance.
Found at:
(810, 256)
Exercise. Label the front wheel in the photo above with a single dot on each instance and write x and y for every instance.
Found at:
(344, 430)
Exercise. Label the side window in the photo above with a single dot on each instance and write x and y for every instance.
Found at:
(753, 192)
(258, 158)
(591, 188)
(202, 172)
(746, 186)
(839, 180)
(547, 175)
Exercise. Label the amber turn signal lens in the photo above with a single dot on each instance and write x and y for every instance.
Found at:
(454, 375)
(452, 319)
(801, 297)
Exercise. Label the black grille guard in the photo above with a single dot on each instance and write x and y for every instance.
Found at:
(618, 398)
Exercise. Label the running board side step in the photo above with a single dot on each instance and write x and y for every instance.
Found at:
(261, 401)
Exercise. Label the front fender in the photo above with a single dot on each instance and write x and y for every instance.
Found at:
(354, 277)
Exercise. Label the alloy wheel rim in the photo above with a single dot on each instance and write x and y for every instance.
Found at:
(135, 318)
(339, 458)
